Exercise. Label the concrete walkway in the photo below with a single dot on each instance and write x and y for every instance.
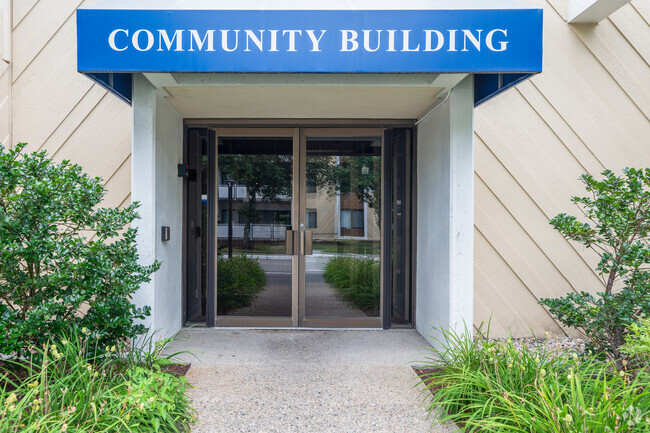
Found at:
(287, 381)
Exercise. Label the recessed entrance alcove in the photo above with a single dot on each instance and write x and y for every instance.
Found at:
(302, 175)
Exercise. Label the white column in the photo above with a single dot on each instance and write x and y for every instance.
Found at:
(169, 212)
(142, 183)
(157, 149)
(445, 215)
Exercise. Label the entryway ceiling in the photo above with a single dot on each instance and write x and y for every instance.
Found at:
(302, 96)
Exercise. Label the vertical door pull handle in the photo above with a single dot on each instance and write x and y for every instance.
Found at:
(306, 243)
(308, 249)
(302, 242)
(291, 243)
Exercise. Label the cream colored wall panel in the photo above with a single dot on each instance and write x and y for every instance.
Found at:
(483, 315)
(560, 6)
(42, 23)
(620, 59)
(46, 93)
(643, 8)
(501, 291)
(561, 128)
(4, 123)
(119, 185)
(592, 99)
(573, 266)
(125, 202)
(5, 104)
(544, 173)
(508, 317)
(21, 8)
(4, 79)
(531, 152)
(585, 94)
(103, 141)
(75, 118)
(609, 141)
(531, 265)
(635, 29)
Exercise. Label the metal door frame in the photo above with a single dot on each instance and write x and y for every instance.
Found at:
(257, 321)
(298, 219)
(338, 322)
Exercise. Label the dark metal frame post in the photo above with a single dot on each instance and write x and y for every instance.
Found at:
(213, 198)
(230, 183)
(387, 209)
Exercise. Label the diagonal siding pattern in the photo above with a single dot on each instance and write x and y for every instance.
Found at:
(5, 103)
(54, 107)
(587, 111)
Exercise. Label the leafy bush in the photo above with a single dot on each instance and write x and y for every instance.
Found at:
(618, 210)
(491, 386)
(637, 344)
(69, 391)
(65, 263)
(239, 280)
(356, 280)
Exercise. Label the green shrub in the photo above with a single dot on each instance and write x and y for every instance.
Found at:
(492, 386)
(61, 254)
(637, 344)
(239, 280)
(618, 229)
(71, 392)
(356, 280)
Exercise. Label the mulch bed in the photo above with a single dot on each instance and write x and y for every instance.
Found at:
(177, 370)
(10, 374)
(425, 376)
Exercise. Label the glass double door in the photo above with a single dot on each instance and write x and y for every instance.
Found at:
(297, 227)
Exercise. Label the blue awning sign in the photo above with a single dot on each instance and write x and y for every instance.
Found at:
(310, 41)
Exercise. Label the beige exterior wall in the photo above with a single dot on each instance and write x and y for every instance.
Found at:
(53, 107)
(590, 109)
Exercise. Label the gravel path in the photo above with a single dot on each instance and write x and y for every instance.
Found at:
(306, 381)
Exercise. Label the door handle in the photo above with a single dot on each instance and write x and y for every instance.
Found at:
(291, 242)
(298, 242)
(306, 246)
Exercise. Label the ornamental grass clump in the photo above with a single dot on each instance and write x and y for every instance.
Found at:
(69, 391)
(492, 386)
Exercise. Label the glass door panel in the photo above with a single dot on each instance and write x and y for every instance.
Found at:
(342, 203)
(254, 212)
(288, 223)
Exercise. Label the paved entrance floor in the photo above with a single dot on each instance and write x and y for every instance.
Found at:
(287, 381)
